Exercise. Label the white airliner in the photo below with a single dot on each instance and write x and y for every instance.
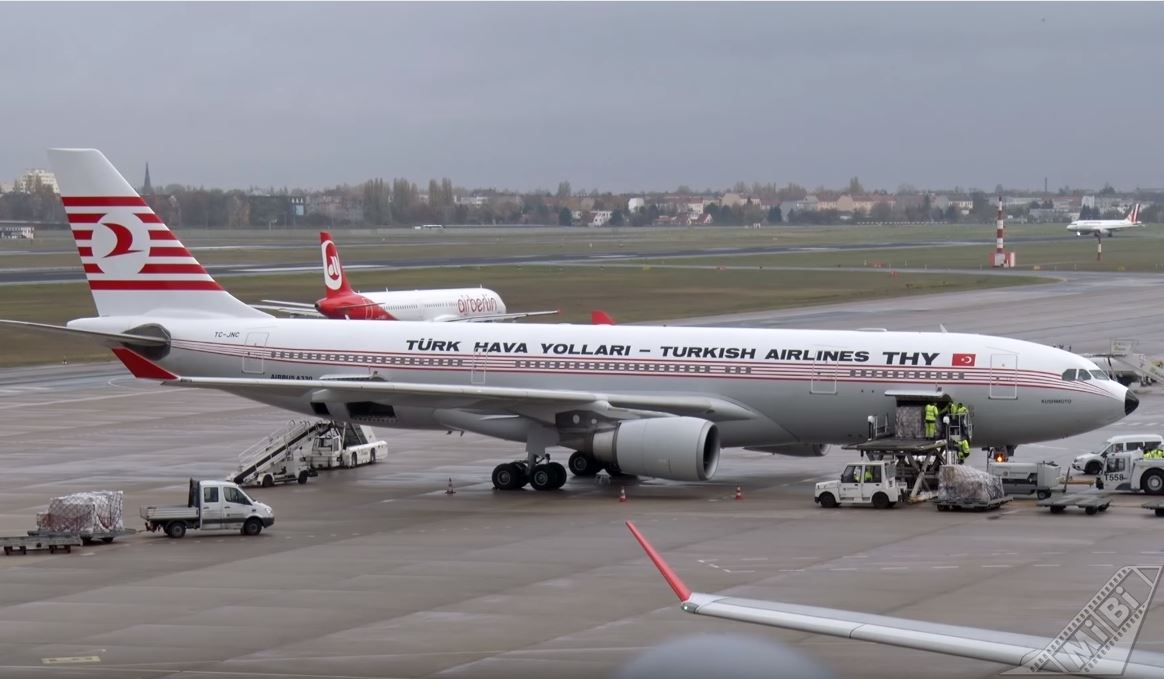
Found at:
(446, 304)
(1106, 227)
(1083, 656)
(653, 401)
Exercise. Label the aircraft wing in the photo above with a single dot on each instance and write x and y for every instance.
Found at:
(530, 402)
(1006, 648)
(542, 404)
(500, 317)
(305, 311)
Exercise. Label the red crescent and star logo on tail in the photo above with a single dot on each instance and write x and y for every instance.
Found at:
(124, 243)
(114, 237)
(963, 360)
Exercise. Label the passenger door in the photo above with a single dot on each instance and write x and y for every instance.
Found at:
(253, 353)
(1004, 376)
(212, 508)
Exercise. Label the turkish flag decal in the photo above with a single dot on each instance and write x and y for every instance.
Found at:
(963, 359)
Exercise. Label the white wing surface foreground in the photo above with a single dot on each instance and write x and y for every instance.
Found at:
(1006, 648)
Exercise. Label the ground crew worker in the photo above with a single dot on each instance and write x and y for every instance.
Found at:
(963, 450)
(931, 413)
(963, 415)
(868, 474)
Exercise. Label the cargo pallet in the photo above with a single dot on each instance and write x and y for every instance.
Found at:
(87, 537)
(53, 543)
(971, 506)
(1089, 503)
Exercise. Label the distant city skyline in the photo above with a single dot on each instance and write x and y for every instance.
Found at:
(620, 97)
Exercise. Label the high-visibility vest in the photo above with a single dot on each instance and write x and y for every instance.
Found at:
(931, 412)
(964, 446)
(961, 410)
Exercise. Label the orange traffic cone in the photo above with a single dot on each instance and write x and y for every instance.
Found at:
(739, 493)
(622, 494)
(449, 490)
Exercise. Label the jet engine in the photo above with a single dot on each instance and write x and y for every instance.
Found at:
(679, 448)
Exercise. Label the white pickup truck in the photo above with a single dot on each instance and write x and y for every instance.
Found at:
(1130, 471)
(210, 505)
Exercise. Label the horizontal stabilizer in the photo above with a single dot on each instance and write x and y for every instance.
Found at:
(107, 337)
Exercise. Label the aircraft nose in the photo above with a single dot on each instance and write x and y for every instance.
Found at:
(1131, 402)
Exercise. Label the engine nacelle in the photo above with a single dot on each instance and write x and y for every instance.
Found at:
(794, 449)
(679, 448)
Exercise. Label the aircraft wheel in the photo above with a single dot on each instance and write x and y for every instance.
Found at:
(560, 475)
(508, 477)
(584, 464)
(543, 478)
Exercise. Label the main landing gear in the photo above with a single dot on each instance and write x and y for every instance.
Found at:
(537, 470)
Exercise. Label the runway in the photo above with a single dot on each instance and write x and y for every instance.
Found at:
(14, 275)
(376, 572)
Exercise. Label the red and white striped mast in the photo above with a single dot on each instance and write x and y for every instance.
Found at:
(1000, 255)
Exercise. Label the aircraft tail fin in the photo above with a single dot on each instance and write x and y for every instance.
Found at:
(334, 278)
(1134, 215)
(600, 317)
(134, 264)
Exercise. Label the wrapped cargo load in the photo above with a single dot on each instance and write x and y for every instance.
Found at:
(98, 511)
(964, 485)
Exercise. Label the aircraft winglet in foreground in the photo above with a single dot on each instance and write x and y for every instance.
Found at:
(653, 401)
(1106, 227)
(472, 305)
(1015, 650)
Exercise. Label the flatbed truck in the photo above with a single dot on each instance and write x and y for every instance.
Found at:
(210, 505)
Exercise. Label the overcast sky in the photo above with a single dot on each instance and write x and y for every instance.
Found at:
(610, 96)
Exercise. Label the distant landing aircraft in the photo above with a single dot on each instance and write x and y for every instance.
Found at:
(1106, 227)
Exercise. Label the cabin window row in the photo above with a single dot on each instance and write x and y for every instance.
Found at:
(881, 373)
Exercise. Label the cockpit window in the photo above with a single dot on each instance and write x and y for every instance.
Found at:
(1084, 375)
(1069, 375)
(1099, 375)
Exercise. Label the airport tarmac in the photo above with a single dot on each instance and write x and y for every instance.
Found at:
(376, 572)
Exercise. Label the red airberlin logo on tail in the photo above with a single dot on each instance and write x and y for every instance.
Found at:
(333, 276)
(963, 360)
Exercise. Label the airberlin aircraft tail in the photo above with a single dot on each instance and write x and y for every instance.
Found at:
(134, 264)
(334, 279)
